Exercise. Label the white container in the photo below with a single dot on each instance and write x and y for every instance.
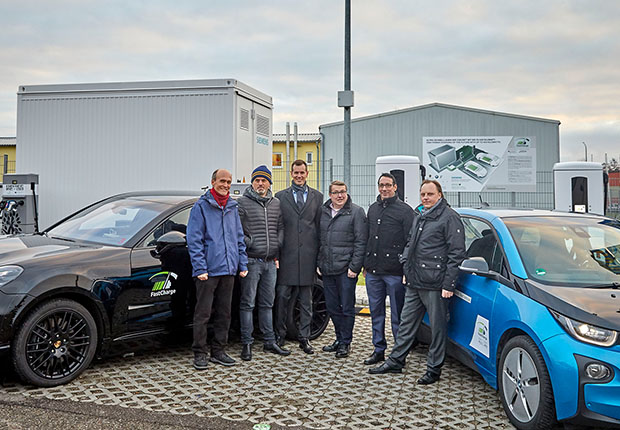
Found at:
(406, 169)
(89, 141)
(578, 187)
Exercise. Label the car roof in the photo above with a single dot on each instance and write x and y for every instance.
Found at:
(492, 213)
(169, 197)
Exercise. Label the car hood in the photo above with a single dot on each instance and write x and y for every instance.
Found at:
(597, 306)
(26, 248)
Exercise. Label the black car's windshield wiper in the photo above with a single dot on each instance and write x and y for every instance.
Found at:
(61, 238)
(614, 285)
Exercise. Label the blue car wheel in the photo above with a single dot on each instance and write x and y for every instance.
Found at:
(524, 386)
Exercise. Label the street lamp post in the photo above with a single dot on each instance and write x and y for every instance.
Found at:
(586, 147)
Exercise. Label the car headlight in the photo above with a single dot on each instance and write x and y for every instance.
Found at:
(9, 273)
(586, 332)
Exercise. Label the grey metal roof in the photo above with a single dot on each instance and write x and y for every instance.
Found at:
(301, 137)
(446, 106)
(8, 141)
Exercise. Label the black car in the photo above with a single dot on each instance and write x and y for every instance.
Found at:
(98, 279)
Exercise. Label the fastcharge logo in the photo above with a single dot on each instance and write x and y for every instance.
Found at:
(162, 283)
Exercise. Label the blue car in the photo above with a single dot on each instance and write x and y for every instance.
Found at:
(537, 314)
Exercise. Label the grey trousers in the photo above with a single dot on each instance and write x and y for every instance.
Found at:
(418, 301)
(284, 303)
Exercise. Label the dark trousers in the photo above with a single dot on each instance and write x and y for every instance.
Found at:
(213, 298)
(340, 302)
(417, 302)
(284, 304)
(378, 287)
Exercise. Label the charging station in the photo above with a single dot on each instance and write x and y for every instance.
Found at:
(579, 187)
(19, 206)
(408, 173)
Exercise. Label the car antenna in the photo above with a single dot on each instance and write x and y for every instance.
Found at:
(483, 204)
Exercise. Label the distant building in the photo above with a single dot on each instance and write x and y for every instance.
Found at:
(308, 149)
(7, 155)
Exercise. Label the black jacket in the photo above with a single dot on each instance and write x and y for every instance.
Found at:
(301, 238)
(389, 222)
(435, 249)
(343, 239)
(263, 227)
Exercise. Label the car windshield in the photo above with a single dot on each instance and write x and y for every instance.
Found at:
(109, 223)
(570, 251)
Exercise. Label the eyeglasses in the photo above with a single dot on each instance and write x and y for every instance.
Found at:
(338, 192)
(386, 185)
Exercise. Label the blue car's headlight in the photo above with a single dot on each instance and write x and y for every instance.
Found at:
(586, 332)
(9, 273)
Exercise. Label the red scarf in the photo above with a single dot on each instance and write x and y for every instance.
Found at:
(220, 199)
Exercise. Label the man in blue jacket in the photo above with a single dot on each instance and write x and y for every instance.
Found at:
(217, 251)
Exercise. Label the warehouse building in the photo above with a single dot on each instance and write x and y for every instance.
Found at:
(466, 133)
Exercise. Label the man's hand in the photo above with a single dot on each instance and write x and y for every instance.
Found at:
(364, 272)
(351, 274)
(203, 277)
(243, 273)
(446, 294)
(277, 263)
(404, 280)
(318, 271)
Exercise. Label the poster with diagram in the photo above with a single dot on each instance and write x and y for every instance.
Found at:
(481, 163)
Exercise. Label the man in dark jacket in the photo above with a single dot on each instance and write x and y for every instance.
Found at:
(301, 209)
(217, 251)
(343, 242)
(435, 249)
(264, 231)
(389, 222)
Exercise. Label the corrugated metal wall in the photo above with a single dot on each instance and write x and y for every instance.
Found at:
(86, 148)
(402, 132)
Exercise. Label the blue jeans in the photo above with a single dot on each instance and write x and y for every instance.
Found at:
(340, 302)
(378, 287)
(261, 278)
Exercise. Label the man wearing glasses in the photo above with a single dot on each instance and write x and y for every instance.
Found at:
(389, 222)
(343, 235)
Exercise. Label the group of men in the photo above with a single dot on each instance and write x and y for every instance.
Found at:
(278, 244)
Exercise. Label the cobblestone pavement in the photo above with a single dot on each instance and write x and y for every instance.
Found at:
(315, 391)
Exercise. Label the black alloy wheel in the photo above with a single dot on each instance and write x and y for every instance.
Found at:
(55, 344)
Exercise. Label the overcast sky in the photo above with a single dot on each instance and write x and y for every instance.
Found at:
(556, 59)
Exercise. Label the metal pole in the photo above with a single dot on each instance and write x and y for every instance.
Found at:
(288, 155)
(586, 147)
(295, 141)
(347, 87)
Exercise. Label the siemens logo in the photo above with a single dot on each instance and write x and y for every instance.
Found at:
(262, 140)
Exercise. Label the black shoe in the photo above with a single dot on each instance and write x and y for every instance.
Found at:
(246, 352)
(275, 349)
(374, 358)
(200, 361)
(331, 348)
(305, 345)
(387, 367)
(428, 378)
(223, 359)
(280, 341)
(343, 350)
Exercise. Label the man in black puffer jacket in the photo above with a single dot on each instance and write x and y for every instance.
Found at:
(263, 230)
(435, 249)
(343, 235)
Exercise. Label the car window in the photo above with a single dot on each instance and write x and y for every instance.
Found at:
(568, 250)
(177, 222)
(481, 242)
(109, 223)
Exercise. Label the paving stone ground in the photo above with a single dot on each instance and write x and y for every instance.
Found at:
(315, 391)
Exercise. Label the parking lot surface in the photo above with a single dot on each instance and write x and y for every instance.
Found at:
(315, 391)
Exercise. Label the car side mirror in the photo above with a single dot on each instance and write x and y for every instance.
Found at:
(477, 265)
(167, 241)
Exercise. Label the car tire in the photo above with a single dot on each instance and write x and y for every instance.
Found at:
(524, 385)
(320, 317)
(55, 344)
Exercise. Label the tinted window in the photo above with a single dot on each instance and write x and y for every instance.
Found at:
(481, 242)
(177, 222)
(568, 250)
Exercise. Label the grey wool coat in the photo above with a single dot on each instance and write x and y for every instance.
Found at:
(298, 255)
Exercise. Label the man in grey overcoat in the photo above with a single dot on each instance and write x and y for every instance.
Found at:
(301, 210)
